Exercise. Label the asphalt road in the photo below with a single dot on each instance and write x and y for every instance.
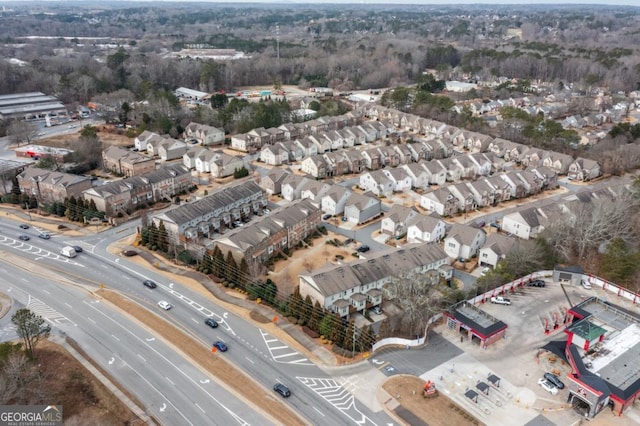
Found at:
(315, 394)
(172, 390)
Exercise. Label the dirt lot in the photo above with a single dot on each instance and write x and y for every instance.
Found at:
(110, 137)
(235, 380)
(85, 400)
(438, 411)
(305, 260)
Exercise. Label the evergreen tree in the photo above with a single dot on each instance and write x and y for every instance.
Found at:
(70, 205)
(243, 276)
(218, 262)
(207, 262)
(231, 269)
(153, 236)
(295, 304)
(316, 317)
(80, 212)
(337, 331)
(327, 325)
(270, 292)
(305, 310)
(163, 238)
(92, 206)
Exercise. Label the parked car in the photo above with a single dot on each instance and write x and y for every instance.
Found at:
(585, 284)
(24, 238)
(24, 226)
(44, 236)
(377, 310)
(220, 346)
(537, 283)
(495, 225)
(326, 217)
(149, 283)
(211, 322)
(500, 300)
(130, 253)
(548, 386)
(485, 271)
(78, 249)
(554, 380)
(165, 305)
(282, 390)
(363, 249)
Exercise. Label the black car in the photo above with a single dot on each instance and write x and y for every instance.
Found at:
(24, 226)
(363, 249)
(326, 216)
(220, 345)
(23, 237)
(211, 322)
(282, 390)
(536, 283)
(149, 283)
(130, 253)
(78, 249)
(554, 380)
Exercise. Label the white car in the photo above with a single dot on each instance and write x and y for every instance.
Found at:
(585, 284)
(485, 271)
(165, 305)
(548, 386)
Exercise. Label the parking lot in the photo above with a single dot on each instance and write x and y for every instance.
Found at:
(518, 362)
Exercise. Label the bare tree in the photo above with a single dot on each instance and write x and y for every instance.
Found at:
(21, 131)
(414, 294)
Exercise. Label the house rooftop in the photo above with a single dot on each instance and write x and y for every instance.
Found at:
(477, 319)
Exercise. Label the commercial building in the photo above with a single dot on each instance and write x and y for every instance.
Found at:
(603, 348)
(475, 324)
(30, 106)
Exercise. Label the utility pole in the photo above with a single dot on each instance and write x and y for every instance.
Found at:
(353, 348)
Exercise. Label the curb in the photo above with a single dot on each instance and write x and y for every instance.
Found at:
(62, 341)
(6, 303)
(315, 350)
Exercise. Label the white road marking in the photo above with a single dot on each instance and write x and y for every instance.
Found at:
(169, 380)
(115, 337)
(68, 305)
(251, 361)
(141, 357)
(91, 320)
(319, 412)
(200, 408)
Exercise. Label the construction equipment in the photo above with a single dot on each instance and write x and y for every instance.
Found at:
(430, 390)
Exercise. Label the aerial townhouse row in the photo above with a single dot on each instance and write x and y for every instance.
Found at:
(255, 139)
(357, 286)
(213, 213)
(261, 239)
(125, 195)
(333, 199)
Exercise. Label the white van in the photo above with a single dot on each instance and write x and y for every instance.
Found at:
(68, 251)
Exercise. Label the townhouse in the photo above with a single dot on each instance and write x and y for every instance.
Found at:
(126, 163)
(50, 187)
(426, 229)
(262, 239)
(121, 197)
(464, 241)
(213, 213)
(358, 286)
(397, 220)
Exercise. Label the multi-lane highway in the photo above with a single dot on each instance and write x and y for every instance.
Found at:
(316, 395)
(173, 391)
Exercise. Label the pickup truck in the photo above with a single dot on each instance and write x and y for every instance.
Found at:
(500, 300)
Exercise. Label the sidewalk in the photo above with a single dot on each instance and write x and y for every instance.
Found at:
(318, 351)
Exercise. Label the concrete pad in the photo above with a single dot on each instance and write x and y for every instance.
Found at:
(504, 405)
